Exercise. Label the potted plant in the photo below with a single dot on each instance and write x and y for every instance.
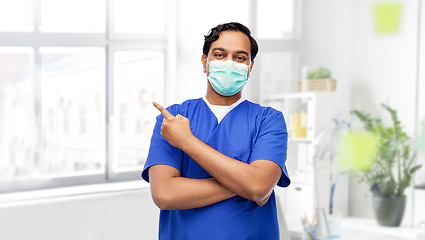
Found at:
(391, 168)
(319, 80)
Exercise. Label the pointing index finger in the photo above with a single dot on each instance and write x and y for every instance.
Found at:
(163, 111)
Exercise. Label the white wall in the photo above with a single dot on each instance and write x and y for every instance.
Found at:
(327, 36)
(122, 215)
(383, 70)
(384, 65)
(375, 68)
(420, 176)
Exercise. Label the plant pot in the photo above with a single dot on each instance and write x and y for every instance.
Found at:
(389, 211)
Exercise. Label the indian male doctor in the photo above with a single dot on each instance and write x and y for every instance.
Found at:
(213, 161)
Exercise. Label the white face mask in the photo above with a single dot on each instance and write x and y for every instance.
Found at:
(227, 77)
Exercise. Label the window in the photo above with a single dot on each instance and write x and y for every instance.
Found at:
(76, 79)
(138, 81)
(17, 113)
(72, 79)
(80, 16)
(80, 76)
(16, 16)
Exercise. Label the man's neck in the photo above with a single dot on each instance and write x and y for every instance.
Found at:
(216, 99)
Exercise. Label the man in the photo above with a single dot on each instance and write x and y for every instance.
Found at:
(214, 161)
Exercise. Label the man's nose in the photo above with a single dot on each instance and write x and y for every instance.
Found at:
(229, 57)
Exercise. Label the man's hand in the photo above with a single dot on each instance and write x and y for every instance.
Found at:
(175, 129)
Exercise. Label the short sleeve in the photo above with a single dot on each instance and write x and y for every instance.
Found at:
(271, 143)
(161, 152)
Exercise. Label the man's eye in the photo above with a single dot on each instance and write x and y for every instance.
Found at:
(241, 58)
(218, 55)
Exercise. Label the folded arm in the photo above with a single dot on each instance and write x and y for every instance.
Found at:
(253, 181)
(170, 191)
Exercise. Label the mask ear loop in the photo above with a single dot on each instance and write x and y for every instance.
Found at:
(249, 70)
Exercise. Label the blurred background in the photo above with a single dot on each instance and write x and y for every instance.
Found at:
(77, 79)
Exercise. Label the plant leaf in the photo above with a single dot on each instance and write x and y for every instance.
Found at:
(414, 169)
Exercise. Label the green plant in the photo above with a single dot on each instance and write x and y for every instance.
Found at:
(319, 73)
(391, 171)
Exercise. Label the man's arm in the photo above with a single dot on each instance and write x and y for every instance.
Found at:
(253, 181)
(170, 191)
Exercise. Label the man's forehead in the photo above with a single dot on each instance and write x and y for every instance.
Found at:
(233, 41)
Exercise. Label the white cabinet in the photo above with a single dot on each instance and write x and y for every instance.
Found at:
(311, 178)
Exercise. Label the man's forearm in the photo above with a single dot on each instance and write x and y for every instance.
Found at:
(178, 193)
(251, 181)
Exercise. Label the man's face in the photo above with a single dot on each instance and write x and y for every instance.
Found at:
(231, 45)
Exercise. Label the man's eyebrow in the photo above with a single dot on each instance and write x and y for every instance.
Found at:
(242, 52)
(218, 49)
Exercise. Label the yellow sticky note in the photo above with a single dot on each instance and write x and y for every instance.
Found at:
(357, 151)
(387, 17)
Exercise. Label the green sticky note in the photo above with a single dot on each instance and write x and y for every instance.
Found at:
(357, 151)
(387, 17)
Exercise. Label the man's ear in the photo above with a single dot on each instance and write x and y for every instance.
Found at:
(204, 62)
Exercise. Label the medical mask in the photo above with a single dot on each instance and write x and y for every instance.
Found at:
(227, 77)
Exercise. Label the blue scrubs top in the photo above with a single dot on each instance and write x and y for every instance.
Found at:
(247, 133)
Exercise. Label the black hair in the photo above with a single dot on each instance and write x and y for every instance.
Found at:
(214, 34)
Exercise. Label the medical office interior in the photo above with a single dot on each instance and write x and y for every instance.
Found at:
(77, 79)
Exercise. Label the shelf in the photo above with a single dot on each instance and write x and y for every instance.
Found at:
(358, 226)
(319, 108)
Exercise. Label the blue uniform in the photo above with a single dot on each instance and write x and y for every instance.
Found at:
(247, 133)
